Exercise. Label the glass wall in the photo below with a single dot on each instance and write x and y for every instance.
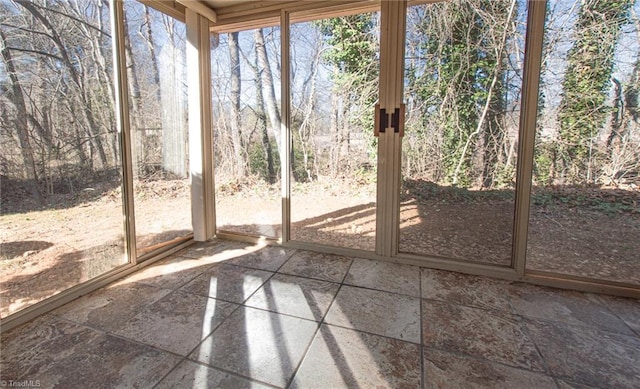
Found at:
(463, 79)
(61, 217)
(585, 215)
(60, 169)
(155, 50)
(334, 86)
(245, 69)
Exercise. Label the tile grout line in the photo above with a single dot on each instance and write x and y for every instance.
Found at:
(103, 333)
(181, 358)
(372, 334)
(239, 306)
(229, 372)
(527, 333)
(603, 303)
(485, 309)
(317, 331)
(169, 372)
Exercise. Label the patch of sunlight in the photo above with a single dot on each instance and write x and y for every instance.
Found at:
(292, 293)
(249, 285)
(265, 227)
(355, 346)
(201, 373)
(162, 268)
(178, 264)
(261, 337)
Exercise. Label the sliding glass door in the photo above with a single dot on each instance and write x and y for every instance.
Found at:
(247, 131)
(463, 78)
(155, 49)
(585, 202)
(334, 70)
(439, 185)
(60, 165)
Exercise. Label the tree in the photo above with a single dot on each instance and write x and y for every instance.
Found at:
(586, 84)
(260, 108)
(234, 54)
(76, 78)
(351, 51)
(459, 84)
(20, 120)
(267, 83)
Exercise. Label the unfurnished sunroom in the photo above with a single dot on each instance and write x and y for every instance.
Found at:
(265, 154)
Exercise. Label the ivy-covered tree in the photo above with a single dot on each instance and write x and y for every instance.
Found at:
(586, 84)
(459, 84)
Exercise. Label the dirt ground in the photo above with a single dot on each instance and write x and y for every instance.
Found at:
(593, 233)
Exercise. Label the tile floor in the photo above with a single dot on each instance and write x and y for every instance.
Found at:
(232, 315)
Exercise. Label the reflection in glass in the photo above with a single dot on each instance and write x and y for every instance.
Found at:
(584, 208)
(155, 49)
(463, 75)
(334, 86)
(60, 168)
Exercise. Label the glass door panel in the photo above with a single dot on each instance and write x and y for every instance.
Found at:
(585, 215)
(463, 77)
(245, 71)
(155, 49)
(334, 87)
(60, 164)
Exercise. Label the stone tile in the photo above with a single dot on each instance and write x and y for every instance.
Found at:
(32, 348)
(342, 358)
(493, 335)
(387, 276)
(178, 322)
(296, 296)
(588, 356)
(216, 250)
(327, 267)
(446, 370)
(381, 313)
(564, 306)
(193, 375)
(169, 273)
(262, 345)
(228, 282)
(108, 308)
(463, 289)
(110, 362)
(562, 384)
(627, 309)
(264, 258)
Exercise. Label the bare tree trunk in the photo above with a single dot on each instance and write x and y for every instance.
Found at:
(138, 126)
(305, 130)
(99, 54)
(152, 52)
(334, 130)
(20, 121)
(64, 55)
(262, 122)
(267, 82)
(234, 55)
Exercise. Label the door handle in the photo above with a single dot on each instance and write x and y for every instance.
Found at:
(381, 120)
